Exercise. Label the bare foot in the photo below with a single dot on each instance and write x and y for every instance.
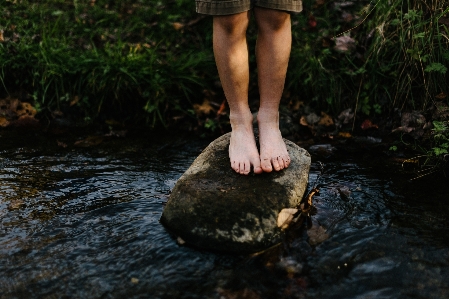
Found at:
(273, 151)
(242, 149)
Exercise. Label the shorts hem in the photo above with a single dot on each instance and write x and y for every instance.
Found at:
(293, 7)
(229, 7)
(221, 8)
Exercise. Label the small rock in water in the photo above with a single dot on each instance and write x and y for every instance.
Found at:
(243, 217)
(323, 150)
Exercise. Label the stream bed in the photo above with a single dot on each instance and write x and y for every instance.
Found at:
(83, 222)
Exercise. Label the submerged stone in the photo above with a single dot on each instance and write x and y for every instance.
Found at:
(214, 208)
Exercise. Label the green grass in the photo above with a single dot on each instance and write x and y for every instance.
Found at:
(125, 59)
(399, 61)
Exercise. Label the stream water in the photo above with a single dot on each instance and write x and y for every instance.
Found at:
(84, 223)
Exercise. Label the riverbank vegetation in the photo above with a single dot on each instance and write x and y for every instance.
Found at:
(151, 62)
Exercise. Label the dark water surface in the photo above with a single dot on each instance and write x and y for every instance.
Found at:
(83, 223)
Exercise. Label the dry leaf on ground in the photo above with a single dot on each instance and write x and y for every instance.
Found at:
(344, 135)
(25, 109)
(204, 109)
(285, 217)
(441, 96)
(180, 241)
(344, 44)
(222, 108)
(178, 25)
(3, 122)
(89, 141)
(367, 124)
(61, 144)
(346, 116)
(325, 120)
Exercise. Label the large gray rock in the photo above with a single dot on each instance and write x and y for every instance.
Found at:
(213, 207)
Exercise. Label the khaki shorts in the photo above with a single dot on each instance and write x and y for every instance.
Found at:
(229, 7)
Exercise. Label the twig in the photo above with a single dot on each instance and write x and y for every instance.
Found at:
(356, 105)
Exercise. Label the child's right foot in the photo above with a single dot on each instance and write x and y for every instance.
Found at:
(242, 148)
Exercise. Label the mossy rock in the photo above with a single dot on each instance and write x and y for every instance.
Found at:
(214, 208)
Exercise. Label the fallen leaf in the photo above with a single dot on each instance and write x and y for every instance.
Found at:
(296, 105)
(134, 280)
(57, 113)
(61, 144)
(25, 109)
(120, 133)
(441, 96)
(367, 124)
(344, 44)
(346, 116)
(307, 205)
(403, 129)
(178, 26)
(317, 234)
(89, 141)
(222, 108)
(312, 21)
(344, 134)
(204, 109)
(3, 122)
(74, 101)
(193, 22)
(325, 120)
(412, 119)
(2, 39)
(285, 217)
(180, 241)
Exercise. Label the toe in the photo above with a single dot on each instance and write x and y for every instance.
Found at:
(266, 165)
(256, 166)
(287, 161)
(258, 170)
(235, 166)
(275, 163)
(281, 162)
(246, 168)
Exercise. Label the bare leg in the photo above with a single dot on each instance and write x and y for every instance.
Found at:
(231, 56)
(273, 52)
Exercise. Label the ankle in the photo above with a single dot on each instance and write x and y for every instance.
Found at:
(268, 116)
(241, 119)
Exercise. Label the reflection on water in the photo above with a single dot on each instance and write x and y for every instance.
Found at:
(83, 223)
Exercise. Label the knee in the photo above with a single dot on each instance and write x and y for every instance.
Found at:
(273, 21)
(231, 25)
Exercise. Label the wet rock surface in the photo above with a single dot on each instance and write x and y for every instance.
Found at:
(214, 208)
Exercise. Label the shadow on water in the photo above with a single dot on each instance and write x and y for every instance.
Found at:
(83, 223)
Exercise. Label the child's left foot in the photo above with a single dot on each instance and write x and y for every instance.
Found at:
(273, 151)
